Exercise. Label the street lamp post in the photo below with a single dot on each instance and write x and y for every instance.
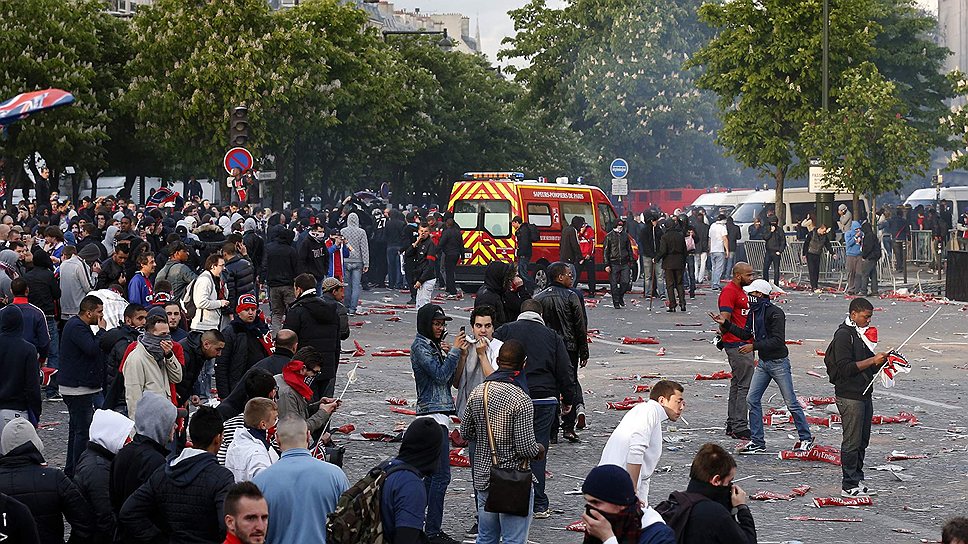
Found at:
(825, 200)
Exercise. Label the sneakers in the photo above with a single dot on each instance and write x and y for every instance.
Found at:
(870, 492)
(443, 538)
(750, 447)
(544, 514)
(742, 435)
(802, 445)
(472, 532)
(580, 423)
(855, 492)
(54, 398)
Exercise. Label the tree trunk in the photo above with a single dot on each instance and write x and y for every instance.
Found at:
(856, 206)
(279, 185)
(75, 186)
(129, 179)
(780, 176)
(94, 175)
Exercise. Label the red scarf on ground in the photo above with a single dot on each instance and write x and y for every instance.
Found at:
(292, 377)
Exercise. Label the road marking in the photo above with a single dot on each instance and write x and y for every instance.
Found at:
(919, 399)
(652, 351)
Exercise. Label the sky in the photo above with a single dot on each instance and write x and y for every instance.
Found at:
(494, 20)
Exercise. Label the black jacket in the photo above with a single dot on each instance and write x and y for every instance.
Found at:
(281, 261)
(702, 233)
(672, 250)
(450, 243)
(313, 257)
(618, 248)
(549, 369)
(316, 323)
(648, 239)
(733, 233)
(569, 251)
(194, 362)
(184, 502)
(243, 348)
(43, 289)
(109, 273)
(49, 494)
(563, 311)
(419, 262)
(506, 304)
(132, 466)
(16, 521)
(114, 343)
(234, 404)
(825, 244)
(20, 386)
(255, 248)
(775, 239)
(710, 521)
(394, 232)
(526, 235)
(239, 277)
(870, 249)
(841, 358)
(93, 477)
(772, 347)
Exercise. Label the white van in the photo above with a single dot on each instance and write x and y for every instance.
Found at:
(957, 198)
(797, 203)
(723, 202)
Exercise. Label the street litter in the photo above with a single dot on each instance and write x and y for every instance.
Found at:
(824, 454)
(639, 340)
(397, 401)
(821, 502)
(718, 375)
(458, 459)
(811, 518)
(901, 456)
(627, 404)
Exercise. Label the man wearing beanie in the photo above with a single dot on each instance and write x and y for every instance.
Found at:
(247, 341)
(403, 502)
(612, 514)
(151, 364)
(110, 431)
(49, 494)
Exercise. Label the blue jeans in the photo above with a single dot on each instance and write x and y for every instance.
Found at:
(436, 486)
(494, 528)
(203, 385)
(523, 263)
(777, 370)
(394, 274)
(544, 416)
(689, 278)
(81, 410)
(730, 263)
(53, 358)
(353, 275)
(719, 264)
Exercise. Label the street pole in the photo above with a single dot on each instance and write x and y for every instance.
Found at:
(825, 201)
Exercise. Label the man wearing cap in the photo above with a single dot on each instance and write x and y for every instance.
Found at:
(844, 219)
(435, 365)
(612, 512)
(618, 262)
(766, 327)
(247, 341)
(335, 290)
(315, 320)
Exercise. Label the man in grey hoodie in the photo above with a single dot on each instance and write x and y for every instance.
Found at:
(10, 270)
(358, 261)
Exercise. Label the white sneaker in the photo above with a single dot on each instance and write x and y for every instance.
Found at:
(870, 492)
(802, 445)
(854, 492)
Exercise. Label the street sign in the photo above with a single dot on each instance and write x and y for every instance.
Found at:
(237, 157)
(620, 187)
(266, 176)
(619, 168)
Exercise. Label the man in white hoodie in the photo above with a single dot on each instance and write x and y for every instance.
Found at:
(718, 250)
(250, 451)
(636, 444)
(109, 432)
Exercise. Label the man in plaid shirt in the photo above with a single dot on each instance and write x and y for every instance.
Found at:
(511, 417)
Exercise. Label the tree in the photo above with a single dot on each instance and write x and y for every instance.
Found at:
(51, 43)
(867, 145)
(612, 71)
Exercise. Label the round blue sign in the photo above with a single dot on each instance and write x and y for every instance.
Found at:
(619, 168)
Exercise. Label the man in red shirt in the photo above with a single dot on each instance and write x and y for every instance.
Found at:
(734, 306)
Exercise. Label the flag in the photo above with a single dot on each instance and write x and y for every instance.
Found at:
(163, 197)
(896, 364)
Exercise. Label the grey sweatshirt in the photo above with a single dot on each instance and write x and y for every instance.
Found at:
(356, 238)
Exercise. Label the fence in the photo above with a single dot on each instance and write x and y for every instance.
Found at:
(831, 270)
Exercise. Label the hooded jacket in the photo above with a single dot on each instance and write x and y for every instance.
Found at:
(43, 288)
(563, 312)
(243, 348)
(49, 494)
(234, 404)
(569, 251)
(239, 278)
(114, 343)
(248, 456)
(109, 431)
(672, 248)
(356, 238)
(851, 246)
(9, 271)
(281, 259)
(180, 276)
(20, 386)
(842, 355)
(75, 283)
(871, 245)
(34, 326)
(549, 369)
(206, 292)
(146, 452)
(187, 497)
(16, 521)
(773, 346)
(314, 257)
(507, 304)
(316, 322)
(710, 520)
(774, 237)
(404, 493)
(194, 362)
(432, 371)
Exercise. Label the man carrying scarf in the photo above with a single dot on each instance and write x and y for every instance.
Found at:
(851, 365)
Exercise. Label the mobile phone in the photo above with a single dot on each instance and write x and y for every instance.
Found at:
(462, 331)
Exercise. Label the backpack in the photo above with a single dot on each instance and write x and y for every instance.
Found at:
(675, 511)
(357, 517)
(188, 300)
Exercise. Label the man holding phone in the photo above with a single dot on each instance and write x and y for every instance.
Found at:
(420, 263)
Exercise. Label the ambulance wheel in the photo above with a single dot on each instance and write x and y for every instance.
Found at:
(541, 277)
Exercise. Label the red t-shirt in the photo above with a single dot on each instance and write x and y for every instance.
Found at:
(733, 299)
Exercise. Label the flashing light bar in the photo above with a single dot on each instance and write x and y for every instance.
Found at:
(519, 176)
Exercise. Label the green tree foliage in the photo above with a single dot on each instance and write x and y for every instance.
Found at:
(54, 43)
(612, 70)
(867, 144)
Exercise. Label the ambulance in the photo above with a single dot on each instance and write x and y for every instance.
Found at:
(483, 204)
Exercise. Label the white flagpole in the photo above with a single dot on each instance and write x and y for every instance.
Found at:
(880, 370)
(351, 377)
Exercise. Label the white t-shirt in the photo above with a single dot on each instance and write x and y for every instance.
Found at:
(717, 237)
(638, 441)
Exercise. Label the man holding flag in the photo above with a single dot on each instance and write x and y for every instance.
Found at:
(852, 365)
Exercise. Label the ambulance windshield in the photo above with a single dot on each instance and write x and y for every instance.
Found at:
(492, 216)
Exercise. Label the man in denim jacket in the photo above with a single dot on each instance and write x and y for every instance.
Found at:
(434, 374)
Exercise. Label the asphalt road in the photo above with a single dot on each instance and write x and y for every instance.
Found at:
(904, 511)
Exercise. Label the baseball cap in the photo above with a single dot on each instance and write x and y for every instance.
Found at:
(762, 286)
(440, 315)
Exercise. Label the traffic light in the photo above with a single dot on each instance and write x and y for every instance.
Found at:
(239, 127)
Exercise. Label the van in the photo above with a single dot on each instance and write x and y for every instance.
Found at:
(797, 203)
(483, 204)
(724, 202)
(956, 197)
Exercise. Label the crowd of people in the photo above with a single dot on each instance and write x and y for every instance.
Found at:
(193, 416)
